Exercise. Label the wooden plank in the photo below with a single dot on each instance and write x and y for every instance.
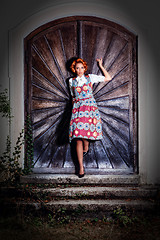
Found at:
(41, 81)
(41, 65)
(43, 113)
(69, 39)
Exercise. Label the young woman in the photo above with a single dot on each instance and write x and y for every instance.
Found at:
(85, 121)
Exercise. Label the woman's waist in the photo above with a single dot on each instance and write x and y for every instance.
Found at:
(77, 99)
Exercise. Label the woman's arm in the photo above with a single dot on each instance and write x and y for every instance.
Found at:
(106, 74)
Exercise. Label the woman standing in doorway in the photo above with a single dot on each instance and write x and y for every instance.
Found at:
(85, 121)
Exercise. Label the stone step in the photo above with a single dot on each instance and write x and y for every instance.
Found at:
(118, 180)
(91, 198)
(100, 192)
(81, 192)
(103, 193)
(101, 205)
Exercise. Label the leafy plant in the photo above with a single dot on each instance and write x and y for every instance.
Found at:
(5, 108)
(60, 216)
(9, 163)
(28, 163)
(122, 218)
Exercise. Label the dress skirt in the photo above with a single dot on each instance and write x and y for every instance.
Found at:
(85, 120)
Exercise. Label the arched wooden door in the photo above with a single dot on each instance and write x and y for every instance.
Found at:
(48, 52)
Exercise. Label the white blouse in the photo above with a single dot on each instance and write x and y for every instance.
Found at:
(81, 80)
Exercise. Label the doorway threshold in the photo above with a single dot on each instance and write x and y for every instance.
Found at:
(88, 179)
(88, 171)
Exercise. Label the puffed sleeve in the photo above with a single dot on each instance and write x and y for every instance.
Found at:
(96, 78)
(70, 86)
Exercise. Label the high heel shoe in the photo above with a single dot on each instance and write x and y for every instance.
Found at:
(81, 175)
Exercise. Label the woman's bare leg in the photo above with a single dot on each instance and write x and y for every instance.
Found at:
(79, 149)
(85, 145)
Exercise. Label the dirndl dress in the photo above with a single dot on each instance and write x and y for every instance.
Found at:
(85, 119)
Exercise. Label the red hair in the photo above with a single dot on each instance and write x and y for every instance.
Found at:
(79, 60)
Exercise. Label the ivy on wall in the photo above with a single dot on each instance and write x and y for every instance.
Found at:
(28, 163)
(10, 170)
(5, 108)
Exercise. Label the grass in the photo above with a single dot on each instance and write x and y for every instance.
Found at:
(24, 227)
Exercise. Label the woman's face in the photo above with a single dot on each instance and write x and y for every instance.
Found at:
(79, 68)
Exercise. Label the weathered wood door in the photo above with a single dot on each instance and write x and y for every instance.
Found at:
(48, 53)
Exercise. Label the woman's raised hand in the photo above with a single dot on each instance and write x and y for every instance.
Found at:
(99, 60)
(106, 74)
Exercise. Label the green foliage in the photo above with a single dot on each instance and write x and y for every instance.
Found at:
(123, 218)
(28, 163)
(80, 209)
(63, 216)
(5, 108)
(10, 169)
(9, 163)
(60, 216)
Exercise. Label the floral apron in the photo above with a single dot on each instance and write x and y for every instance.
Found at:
(85, 120)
